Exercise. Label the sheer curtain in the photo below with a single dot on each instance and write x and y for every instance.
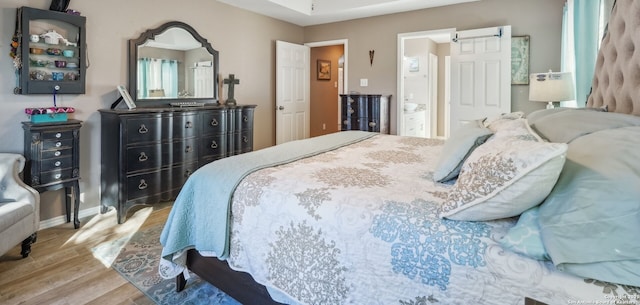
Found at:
(583, 25)
(157, 74)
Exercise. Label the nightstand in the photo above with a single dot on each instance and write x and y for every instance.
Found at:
(52, 156)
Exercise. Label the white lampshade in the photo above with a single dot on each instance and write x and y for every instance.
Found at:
(551, 87)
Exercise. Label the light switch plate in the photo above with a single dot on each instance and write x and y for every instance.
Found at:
(364, 82)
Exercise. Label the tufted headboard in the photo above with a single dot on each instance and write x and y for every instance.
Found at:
(616, 81)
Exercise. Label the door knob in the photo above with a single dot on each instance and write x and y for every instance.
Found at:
(281, 108)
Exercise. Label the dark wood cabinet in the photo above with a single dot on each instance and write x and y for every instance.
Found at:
(368, 112)
(148, 153)
(53, 52)
(52, 153)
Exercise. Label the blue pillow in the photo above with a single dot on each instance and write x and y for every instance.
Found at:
(590, 221)
(457, 148)
(524, 237)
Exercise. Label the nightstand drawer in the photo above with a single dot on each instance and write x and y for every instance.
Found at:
(56, 153)
(56, 163)
(54, 176)
(57, 144)
(67, 134)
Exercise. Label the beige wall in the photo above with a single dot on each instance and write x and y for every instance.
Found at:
(541, 19)
(245, 41)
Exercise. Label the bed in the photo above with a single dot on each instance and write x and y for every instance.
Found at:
(544, 207)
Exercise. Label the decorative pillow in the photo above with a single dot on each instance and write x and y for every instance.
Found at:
(503, 178)
(565, 126)
(591, 220)
(517, 128)
(488, 122)
(457, 148)
(524, 238)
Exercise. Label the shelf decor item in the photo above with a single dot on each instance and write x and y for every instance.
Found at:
(49, 114)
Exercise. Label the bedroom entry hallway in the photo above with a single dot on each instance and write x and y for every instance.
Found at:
(296, 73)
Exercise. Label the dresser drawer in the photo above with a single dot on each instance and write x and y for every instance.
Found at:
(144, 185)
(214, 122)
(164, 184)
(55, 175)
(156, 128)
(56, 163)
(159, 155)
(244, 141)
(213, 146)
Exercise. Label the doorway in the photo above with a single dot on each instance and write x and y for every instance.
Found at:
(326, 88)
(422, 71)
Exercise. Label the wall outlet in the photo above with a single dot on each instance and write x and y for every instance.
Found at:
(324, 126)
(364, 82)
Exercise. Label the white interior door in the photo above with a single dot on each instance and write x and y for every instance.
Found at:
(292, 92)
(433, 94)
(480, 74)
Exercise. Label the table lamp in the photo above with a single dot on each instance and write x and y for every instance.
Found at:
(551, 87)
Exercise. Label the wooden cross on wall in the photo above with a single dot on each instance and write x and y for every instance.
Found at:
(231, 81)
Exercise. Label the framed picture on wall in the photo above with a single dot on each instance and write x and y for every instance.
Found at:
(520, 60)
(324, 69)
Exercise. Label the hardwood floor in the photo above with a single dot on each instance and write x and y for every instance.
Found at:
(61, 268)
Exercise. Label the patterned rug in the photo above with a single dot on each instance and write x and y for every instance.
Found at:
(136, 259)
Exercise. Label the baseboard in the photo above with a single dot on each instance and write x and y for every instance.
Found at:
(56, 221)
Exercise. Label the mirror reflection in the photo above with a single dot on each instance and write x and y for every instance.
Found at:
(173, 64)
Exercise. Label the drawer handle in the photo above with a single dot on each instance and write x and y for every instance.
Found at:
(143, 184)
(214, 122)
(214, 145)
(351, 111)
(188, 149)
(58, 144)
(345, 122)
(143, 129)
(245, 118)
(57, 153)
(372, 124)
(143, 157)
(57, 163)
(58, 135)
(245, 139)
(188, 125)
(57, 176)
(350, 100)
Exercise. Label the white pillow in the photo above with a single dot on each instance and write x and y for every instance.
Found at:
(504, 177)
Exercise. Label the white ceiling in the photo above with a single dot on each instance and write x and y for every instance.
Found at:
(312, 12)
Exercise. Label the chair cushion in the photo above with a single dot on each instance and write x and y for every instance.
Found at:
(12, 212)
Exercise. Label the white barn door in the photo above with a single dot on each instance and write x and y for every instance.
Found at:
(480, 74)
(292, 92)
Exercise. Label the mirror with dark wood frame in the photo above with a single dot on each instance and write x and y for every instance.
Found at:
(172, 63)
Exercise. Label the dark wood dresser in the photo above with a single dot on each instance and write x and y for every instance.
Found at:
(148, 153)
(52, 153)
(368, 112)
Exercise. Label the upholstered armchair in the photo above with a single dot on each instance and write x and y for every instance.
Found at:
(19, 206)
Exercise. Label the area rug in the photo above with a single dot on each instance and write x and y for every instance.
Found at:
(136, 259)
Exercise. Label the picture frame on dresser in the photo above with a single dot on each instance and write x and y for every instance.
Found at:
(124, 95)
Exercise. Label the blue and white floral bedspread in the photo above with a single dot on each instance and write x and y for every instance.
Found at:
(360, 225)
